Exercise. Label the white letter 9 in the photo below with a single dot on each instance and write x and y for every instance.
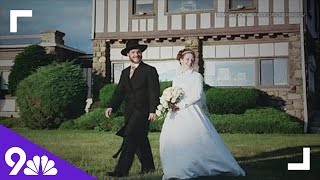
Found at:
(16, 165)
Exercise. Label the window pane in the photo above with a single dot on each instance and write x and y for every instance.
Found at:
(4, 80)
(191, 5)
(167, 70)
(239, 3)
(266, 72)
(280, 71)
(230, 73)
(144, 7)
(117, 69)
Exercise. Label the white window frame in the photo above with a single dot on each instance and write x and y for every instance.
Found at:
(188, 11)
(260, 70)
(142, 13)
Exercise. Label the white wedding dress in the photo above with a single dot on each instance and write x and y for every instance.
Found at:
(189, 144)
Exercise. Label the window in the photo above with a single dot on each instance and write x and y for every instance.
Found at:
(117, 69)
(189, 5)
(241, 4)
(143, 7)
(166, 69)
(273, 72)
(230, 73)
(4, 80)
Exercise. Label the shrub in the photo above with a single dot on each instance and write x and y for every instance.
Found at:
(90, 120)
(111, 124)
(69, 124)
(106, 93)
(263, 120)
(98, 83)
(156, 126)
(231, 100)
(26, 63)
(12, 122)
(105, 97)
(206, 87)
(51, 95)
(117, 123)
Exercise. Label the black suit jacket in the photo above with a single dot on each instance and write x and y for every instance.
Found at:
(141, 95)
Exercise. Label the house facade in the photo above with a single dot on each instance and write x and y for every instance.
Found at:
(53, 42)
(238, 43)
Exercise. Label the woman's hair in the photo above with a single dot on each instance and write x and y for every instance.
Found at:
(182, 52)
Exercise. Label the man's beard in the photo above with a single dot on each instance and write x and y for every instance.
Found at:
(133, 61)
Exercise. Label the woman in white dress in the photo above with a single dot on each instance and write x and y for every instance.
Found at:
(190, 146)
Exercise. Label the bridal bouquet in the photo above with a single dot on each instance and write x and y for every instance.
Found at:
(169, 98)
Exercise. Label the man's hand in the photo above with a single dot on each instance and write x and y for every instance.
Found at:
(108, 112)
(152, 116)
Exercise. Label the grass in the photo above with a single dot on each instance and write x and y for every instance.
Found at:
(262, 156)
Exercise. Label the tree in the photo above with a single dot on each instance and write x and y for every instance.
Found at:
(26, 63)
(52, 95)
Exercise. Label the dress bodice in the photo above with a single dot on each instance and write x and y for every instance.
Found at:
(191, 83)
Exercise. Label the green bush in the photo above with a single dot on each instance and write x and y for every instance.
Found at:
(26, 63)
(263, 120)
(90, 120)
(206, 87)
(106, 93)
(105, 97)
(51, 95)
(231, 100)
(113, 124)
(69, 124)
(98, 83)
(12, 122)
(117, 123)
(156, 126)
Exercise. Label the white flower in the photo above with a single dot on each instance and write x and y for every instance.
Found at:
(162, 101)
(159, 107)
(158, 113)
(167, 97)
(165, 104)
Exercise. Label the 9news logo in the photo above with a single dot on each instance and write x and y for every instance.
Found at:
(33, 166)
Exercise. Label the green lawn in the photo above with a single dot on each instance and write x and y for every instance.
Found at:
(262, 156)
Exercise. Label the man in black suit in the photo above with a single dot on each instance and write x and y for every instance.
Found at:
(139, 88)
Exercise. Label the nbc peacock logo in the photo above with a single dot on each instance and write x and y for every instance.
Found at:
(47, 166)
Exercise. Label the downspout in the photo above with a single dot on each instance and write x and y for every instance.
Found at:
(304, 80)
(93, 19)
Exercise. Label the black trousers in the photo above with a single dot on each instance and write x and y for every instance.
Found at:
(135, 145)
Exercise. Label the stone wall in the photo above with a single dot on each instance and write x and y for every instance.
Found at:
(101, 59)
(195, 44)
(291, 99)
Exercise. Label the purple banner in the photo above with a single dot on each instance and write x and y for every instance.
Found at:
(23, 159)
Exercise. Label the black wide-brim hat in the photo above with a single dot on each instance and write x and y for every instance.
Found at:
(133, 44)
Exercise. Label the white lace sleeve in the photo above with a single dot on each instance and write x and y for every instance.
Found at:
(196, 92)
